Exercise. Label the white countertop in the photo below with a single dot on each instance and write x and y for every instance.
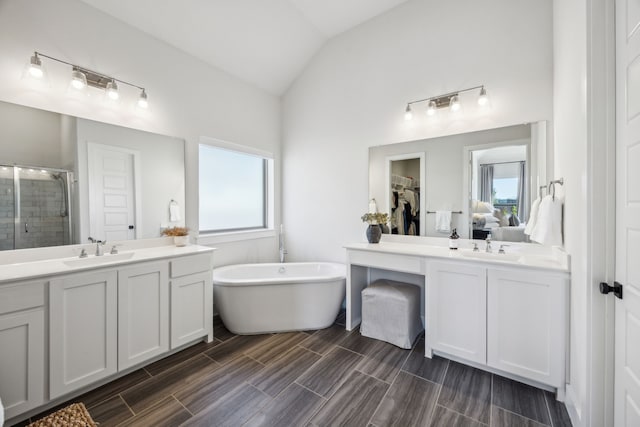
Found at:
(517, 254)
(32, 269)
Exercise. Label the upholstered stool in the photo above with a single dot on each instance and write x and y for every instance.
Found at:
(391, 312)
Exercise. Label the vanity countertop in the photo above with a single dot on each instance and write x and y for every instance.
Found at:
(516, 255)
(44, 268)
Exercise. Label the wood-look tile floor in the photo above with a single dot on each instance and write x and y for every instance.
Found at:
(330, 377)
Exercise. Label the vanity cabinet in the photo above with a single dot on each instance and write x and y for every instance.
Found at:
(83, 330)
(525, 324)
(22, 346)
(457, 310)
(143, 313)
(191, 297)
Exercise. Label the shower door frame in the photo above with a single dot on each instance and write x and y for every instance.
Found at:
(17, 216)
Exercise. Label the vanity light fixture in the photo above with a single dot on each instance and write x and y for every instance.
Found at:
(408, 115)
(449, 100)
(82, 77)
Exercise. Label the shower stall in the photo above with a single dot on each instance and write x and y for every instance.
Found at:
(35, 207)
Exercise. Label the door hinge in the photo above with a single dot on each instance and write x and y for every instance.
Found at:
(616, 289)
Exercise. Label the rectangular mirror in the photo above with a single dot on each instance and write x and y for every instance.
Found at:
(64, 179)
(486, 180)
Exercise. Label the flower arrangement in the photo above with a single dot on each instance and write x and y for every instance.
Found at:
(175, 231)
(375, 218)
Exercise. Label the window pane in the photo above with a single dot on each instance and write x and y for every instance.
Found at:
(232, 190)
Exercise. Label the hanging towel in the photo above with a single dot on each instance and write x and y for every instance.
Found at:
(443, 221)
(533, 217)
(174, 211)
(548, 227)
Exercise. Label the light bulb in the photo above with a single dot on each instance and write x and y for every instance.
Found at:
(142, 101)
(408, 115)
(35, 67)
(431, 109)
(78, 79)
(454, 104)
(112, 90)
(483, 99)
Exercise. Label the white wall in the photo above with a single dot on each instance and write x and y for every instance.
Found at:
(353, 94)
(584, 149)
(188, 98)
(24, 143)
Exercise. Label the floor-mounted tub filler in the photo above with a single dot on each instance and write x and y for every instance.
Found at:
(265, 298)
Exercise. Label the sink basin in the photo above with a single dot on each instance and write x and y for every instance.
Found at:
(97, 260)
(494, 256)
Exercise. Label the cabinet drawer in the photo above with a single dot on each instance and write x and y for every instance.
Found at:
(21, 296)
(190, 264)
(385, 261)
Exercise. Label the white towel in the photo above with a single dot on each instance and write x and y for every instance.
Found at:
(533, 217)
(443, 221)
(174, 211)
(548, 227)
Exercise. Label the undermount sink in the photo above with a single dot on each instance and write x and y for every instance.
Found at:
(494, 256)
(97, 260)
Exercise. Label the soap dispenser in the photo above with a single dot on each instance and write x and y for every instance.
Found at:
(453, 239)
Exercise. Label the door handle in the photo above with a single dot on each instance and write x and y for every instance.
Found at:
(616, 289)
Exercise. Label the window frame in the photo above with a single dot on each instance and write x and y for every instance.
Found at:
(245, 233)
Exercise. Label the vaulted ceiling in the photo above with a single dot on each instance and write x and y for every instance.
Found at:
(266, 43)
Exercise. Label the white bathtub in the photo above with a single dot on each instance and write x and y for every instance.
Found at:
(263, 298)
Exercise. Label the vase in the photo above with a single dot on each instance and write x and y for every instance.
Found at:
(181, 240)
(374, 233)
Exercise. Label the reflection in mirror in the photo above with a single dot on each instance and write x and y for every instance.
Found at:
(405, 172)
(449, 179)
(64, 179)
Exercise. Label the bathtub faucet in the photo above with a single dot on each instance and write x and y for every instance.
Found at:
(281, 248)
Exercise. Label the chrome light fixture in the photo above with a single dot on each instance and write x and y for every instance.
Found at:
(449, 100)
(78, 79)
(82, 77)
(35, 66)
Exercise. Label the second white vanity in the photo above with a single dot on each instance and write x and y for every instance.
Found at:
(503, 312)
(70, 324)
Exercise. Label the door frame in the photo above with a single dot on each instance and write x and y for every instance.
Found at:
(137, 184)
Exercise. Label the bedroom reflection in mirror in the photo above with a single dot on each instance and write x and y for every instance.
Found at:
(500, 193)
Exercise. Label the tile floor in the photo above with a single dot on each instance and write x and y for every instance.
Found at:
(329, 377)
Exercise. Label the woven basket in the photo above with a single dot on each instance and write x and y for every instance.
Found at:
(74, 415)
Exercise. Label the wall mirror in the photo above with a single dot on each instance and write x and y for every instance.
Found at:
(64, 179)
(487, 180)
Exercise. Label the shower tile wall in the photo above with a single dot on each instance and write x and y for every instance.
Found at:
(7, 211)
(40, 208)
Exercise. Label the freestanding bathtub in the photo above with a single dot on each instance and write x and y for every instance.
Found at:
(264, 298)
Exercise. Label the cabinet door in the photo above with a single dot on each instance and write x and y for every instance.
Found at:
(456, 301)
(143, 312)
(191, 308)
(21, 361)
(526, 324)
(83, 330)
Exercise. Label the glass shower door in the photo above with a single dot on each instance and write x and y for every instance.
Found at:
(7, 208)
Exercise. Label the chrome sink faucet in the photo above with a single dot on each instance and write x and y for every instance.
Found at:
(99, 246)
(488, 249)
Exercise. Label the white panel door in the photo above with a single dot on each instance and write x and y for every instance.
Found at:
(82, 330)
(112, 195)
(143, 312)
(525, 317)
(457, 310)
(191, 308)
(627, 334)
(22, 361)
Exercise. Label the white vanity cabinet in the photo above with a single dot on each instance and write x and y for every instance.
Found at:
(191, 299)
(526, 324)
(22, 346)
(457, 310)
(143, 312)
(83, 330)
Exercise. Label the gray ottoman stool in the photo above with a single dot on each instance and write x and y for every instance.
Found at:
(391, 312)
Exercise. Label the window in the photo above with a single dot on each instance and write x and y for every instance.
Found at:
(234, 188)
